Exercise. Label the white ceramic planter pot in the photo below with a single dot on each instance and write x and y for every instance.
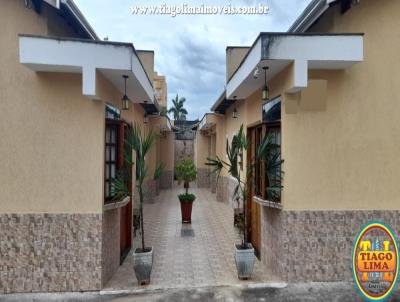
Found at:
(244, 259)
(143, 264)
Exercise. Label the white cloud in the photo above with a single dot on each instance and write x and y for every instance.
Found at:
(189, 50)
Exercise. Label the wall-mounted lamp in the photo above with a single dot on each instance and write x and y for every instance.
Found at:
(234, 112)
(265, 92)
(125, 99)
(256, 72)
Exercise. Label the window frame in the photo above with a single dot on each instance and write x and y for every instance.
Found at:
(118, 126)
(267, 129)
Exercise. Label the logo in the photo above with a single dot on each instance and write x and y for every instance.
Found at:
(375, 261)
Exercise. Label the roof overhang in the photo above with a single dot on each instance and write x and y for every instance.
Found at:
(305, 51)
(112, 59)
(207, 123)
(69, 7)
(222, 103)
(151, 108)
(73, 9)
(310, 14)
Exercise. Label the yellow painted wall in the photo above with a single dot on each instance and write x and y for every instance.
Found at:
(163, 147)
(52, 137)
(201, 150)
(234, 56)
(160, 87)
(147, 59)
(167, 151)
(347, 157)
(204, 145)
(249, 112)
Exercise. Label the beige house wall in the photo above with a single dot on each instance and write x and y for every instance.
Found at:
(52, 167)
(54, 144)
(52, 136)
(160, 87)
(202, 150)
(167, 151)
(147, 59)
(346, 157)
(234, 56)
(157, 154)
(249, 112)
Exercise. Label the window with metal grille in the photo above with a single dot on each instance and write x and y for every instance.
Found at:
(111, 156)
(265, 177)
(273, 177)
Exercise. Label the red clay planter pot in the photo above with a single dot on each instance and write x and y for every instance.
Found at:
(186, 210)
(186, 201)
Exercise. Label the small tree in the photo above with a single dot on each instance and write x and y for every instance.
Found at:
(267, 152)
(186, 173)
(141, 143)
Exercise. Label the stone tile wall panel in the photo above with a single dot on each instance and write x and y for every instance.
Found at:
(301, 246)
(111, 244)
(50, 252)
(203, 178)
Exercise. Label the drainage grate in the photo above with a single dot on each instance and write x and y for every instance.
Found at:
(187, 233)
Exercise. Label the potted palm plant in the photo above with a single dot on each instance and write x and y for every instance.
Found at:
(244, 251)
(141, 144)
(186, 173)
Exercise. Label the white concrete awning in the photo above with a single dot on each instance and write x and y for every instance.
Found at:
(87, 57)
(207, 122)
(305, 51)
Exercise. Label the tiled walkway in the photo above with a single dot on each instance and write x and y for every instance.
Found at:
(204, 259)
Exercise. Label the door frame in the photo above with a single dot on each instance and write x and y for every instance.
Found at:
(253, 210)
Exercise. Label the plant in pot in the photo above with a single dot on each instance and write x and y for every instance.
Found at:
(141, 143)
(244, 251)
(186, 173)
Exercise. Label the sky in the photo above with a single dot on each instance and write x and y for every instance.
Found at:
(189, 49)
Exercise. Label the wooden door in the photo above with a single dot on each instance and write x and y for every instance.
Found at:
(254, 209)
(126, 211)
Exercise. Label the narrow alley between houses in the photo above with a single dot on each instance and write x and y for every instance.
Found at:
(188, 255)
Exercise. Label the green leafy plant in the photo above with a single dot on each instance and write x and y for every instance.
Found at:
(186, 172)
(141, 143)
(186, 197)
(234, 150)
(120, 185)
(119, 188)
(269, 153)
(159, 170)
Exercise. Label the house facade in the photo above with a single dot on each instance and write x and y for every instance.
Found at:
(332, 108)
(62, 126)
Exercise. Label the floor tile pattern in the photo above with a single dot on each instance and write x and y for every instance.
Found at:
(204, 259)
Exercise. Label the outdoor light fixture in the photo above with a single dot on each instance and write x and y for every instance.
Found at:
(256, 72)
(234, 112)
(265, 92)
(125, 99)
